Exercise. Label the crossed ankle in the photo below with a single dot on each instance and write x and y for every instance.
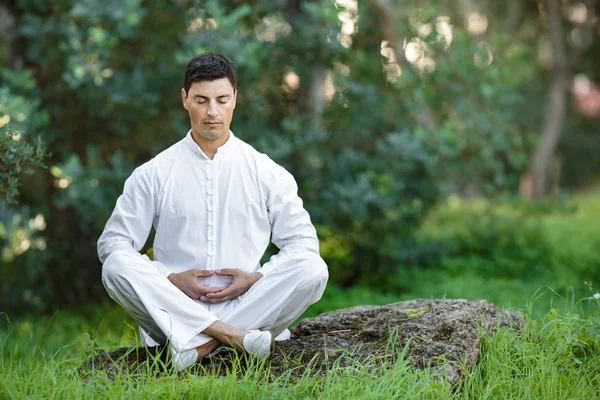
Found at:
(207, 348)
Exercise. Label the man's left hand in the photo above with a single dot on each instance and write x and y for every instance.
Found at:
(242, 281)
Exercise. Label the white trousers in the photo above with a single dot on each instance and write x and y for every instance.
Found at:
(165, 313)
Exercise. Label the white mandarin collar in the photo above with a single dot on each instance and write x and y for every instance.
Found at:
(221, 151)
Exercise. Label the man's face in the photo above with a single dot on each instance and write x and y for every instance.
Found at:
(210, 105)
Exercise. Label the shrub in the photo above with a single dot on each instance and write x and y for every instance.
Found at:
(554, 242)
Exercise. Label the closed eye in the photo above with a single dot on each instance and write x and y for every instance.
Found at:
(220, 101)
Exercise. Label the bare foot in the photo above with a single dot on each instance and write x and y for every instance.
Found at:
(255, 342)
(207, 348)
(226, 334)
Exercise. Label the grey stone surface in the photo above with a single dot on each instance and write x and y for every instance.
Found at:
(442, 334)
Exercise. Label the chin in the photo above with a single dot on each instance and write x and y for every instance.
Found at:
(210, 135)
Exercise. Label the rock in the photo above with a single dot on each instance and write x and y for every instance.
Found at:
(443, 334)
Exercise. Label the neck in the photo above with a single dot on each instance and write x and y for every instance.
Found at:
(209, 147)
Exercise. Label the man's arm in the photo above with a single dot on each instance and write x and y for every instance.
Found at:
(131, 220)
(292, 231)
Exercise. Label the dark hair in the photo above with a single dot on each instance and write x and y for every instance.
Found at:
(208, 67)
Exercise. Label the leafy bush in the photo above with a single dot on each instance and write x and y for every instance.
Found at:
(17, 157)
(489, 241)
(554, 242)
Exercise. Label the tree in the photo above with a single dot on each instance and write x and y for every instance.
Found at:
(555, 106)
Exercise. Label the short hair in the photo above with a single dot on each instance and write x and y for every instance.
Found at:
(208, 67)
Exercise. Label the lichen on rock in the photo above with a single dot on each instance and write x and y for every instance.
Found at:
(442, 334)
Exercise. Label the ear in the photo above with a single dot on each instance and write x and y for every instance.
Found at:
(184, 98)
(234, 98)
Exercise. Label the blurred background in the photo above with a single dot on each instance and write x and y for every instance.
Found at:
(446, 148)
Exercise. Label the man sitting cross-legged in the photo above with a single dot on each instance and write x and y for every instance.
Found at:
(215, 202)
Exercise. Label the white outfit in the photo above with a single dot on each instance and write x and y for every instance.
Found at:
(210, 214)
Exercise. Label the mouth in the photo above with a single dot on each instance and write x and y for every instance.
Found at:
(212, 123)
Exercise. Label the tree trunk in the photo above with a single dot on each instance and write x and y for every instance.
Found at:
(311, 96)
(555, 106)
(513, 16)
(311, 92)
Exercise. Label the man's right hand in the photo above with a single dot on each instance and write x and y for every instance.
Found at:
(187, 282)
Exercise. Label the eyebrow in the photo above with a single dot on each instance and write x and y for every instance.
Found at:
(199, 96)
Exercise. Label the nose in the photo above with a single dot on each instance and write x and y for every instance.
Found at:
(212, 109)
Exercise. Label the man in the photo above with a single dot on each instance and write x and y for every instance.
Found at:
(214, 202)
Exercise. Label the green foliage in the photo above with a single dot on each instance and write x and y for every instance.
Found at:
(92, 189)
(553, 243)
(17, 157)
(21, 117)
(111, 109)
(490, 241)
(85, 198)
(475, 96)
(20, 107)
(373, 212)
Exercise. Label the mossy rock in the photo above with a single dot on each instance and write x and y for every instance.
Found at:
(442, 334)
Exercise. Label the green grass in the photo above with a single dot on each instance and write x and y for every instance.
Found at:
(554, 356)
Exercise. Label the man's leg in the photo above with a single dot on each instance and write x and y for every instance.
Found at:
(159, 307)
(276, 300)
(162, 310)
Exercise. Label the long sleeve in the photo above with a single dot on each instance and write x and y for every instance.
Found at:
(131, 220)
(292, 230)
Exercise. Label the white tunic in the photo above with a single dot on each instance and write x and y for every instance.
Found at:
(210, 214)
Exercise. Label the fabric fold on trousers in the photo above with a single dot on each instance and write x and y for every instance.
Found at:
(160, 308)
(273, 303)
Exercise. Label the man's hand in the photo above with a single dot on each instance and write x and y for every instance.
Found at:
(187, 282)
(242, 281)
